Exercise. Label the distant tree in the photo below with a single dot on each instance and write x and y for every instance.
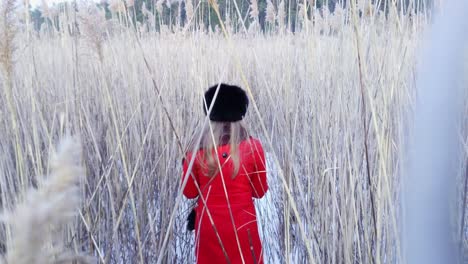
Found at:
(37, 19)
(172, 13)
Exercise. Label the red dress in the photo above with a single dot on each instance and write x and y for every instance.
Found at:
(226, 235)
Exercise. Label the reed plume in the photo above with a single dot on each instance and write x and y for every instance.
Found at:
(270, 13)
(93, 26)
(254, 12)
(117, 6)
(159, 7)
(130, 3)
(7, 35)
(37, 222)
(189, 9)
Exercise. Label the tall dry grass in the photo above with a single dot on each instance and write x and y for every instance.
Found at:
(331, 103)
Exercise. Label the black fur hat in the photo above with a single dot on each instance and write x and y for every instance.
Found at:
(230, 105)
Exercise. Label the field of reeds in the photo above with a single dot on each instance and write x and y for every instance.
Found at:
(331, 101)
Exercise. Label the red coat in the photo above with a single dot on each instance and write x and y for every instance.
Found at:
(217, 241)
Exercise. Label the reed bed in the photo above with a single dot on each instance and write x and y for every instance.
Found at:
(334, 101)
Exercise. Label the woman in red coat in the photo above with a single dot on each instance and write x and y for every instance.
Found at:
(227, 173)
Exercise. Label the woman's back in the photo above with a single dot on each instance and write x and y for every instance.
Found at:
(251, 177)
(226, 223)
(228, 171)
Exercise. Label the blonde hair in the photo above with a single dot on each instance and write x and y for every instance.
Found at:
(215, 135)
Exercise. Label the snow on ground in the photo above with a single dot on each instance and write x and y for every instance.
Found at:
(269, 215)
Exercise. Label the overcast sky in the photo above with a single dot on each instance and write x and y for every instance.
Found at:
(35, 3)
(38, 2)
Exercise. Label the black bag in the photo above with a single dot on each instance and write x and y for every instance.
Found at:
(191, 220)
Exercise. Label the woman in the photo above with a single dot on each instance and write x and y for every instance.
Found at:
(228, 171)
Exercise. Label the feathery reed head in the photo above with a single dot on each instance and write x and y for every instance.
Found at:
(36, 222)
(7, 35)
(93, 26)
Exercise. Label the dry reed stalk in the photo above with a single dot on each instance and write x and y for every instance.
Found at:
(8, 34)
(365, 130)
(129, 176)
(150, 18)
(462, 238)
(37, 222)
(281, 16)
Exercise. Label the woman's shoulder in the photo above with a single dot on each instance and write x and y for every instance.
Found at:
(252, 142)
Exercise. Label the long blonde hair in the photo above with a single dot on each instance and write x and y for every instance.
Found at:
(217, 134)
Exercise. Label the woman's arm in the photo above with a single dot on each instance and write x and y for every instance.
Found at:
(190, 190)
(258, 177)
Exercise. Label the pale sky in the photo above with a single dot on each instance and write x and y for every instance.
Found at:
(35, 3)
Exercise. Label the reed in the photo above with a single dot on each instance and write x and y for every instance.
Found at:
(331, 102)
